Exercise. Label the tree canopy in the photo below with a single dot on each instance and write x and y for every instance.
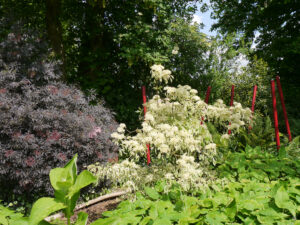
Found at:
(274, 27)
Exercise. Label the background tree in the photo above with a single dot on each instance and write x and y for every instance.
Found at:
(275, 28)
(106, 45)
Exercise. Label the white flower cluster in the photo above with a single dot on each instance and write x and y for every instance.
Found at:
(123, 173)
(173, 126)
(158, 73)
(177, 137)
(191, 175)
(175, 50)
(129, 175)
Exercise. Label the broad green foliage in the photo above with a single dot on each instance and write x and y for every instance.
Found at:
(253, 163)
(7, 215)
(67, 185)
(264, 189)
(244, 202)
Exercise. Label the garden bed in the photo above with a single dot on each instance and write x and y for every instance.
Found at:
(95, 207)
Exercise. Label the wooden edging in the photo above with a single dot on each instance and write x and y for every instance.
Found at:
(89, 203)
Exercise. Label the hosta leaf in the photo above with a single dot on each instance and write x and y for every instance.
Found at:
(231, 210)
(250, 204)
(43, 208)
(145, 221)
(265, 220)
(216, 218)
(283, 201)
(270, 212)
(153, 212)
(152, 193)
(160, 186)
(3, 220)
(162, 221)
(282, 153)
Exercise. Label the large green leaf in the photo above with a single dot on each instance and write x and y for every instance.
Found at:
(71, 166)
(152, 193)
(282, 152)
(283, 201)
(216, 218)
(20, 221)
(3, 220)
(63, 178)
(82, 219)
(43, 208)
(84, 179)
(145, 221)
(162, 221)
(60, 179)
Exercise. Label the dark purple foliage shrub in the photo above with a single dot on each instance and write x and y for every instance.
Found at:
(44, 122)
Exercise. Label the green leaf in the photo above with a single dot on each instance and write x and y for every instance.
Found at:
(162, 221)
(283, 201)
(106, 221)
(43, 208)
(60, 179)
(216, 218)
(3, 220)
(265, 220)
(82, 219)
(231, 210)
(249, 204)
(21, 221)
(153, 212)
(270, 212)
(160, 186)
(84, 179)
(63, 178)
(282, 153)
(145, 221)
(152, 193)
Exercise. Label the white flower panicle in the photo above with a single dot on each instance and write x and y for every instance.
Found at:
(158, 73)
(175, 50)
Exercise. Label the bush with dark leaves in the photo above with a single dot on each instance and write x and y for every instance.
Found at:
(44, 121)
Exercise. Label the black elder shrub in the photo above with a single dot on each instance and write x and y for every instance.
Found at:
(44, 122)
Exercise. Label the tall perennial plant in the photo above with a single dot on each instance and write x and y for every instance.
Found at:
(177, 137)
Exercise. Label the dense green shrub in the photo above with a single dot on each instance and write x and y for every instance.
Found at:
(44, 122)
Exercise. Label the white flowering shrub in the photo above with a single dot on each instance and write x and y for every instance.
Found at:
(176, 128)
(132, 176)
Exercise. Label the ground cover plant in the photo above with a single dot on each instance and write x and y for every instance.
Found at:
(264, 189)
(44, 121)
